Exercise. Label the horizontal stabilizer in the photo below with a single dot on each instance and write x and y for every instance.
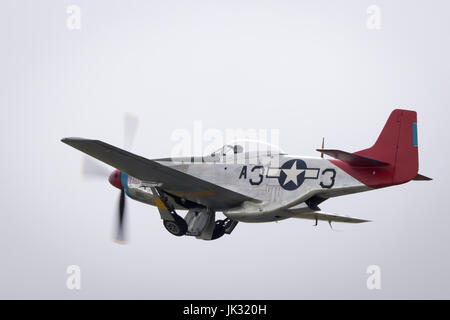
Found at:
(323, 216)
(420, 177)
(353, 159)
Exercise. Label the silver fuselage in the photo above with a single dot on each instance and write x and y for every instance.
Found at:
(262, 178)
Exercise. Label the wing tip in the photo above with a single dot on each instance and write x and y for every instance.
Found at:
(71, 140)
(356, 220)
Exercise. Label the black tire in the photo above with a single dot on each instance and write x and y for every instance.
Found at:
(219, 231)
(177, 228)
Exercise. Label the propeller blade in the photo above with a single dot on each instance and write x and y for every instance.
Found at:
(91, 168)
(131, 124)
(323, 146)
(120, 237)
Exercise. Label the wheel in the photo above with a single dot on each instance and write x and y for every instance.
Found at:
(219, 230)
(177, 228)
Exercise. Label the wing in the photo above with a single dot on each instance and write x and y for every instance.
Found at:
(353, 159)
(323, 216)
(172, 180)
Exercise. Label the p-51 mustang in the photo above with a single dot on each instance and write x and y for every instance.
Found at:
(257, 186)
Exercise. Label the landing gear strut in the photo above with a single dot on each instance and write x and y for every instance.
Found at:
(175, 224)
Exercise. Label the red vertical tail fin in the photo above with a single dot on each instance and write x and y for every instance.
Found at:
(398, 146)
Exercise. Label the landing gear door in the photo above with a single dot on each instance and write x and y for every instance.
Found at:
(201, 223)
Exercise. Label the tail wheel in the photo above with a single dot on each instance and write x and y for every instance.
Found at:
(177, 228)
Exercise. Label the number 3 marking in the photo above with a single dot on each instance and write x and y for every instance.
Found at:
(332, 178)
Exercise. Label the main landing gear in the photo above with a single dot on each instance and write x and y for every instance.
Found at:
(198, 222)
(177, 226)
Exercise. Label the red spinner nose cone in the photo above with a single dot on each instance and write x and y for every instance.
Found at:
(114, 179)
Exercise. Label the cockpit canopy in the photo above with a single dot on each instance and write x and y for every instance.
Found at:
(249, 148)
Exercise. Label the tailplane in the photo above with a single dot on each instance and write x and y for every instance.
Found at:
(393, 159)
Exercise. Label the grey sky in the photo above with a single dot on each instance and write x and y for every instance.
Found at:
(309, 69)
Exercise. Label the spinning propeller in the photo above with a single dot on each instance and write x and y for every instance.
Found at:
(93, 169)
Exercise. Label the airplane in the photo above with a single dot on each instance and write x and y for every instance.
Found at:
(257, 186)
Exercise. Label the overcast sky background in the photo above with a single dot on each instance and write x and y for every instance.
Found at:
(308, 68)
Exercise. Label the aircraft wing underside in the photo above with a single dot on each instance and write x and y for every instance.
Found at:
(171, 180)
(323, 216)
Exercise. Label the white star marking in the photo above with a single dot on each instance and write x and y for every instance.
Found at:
(292, 173)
